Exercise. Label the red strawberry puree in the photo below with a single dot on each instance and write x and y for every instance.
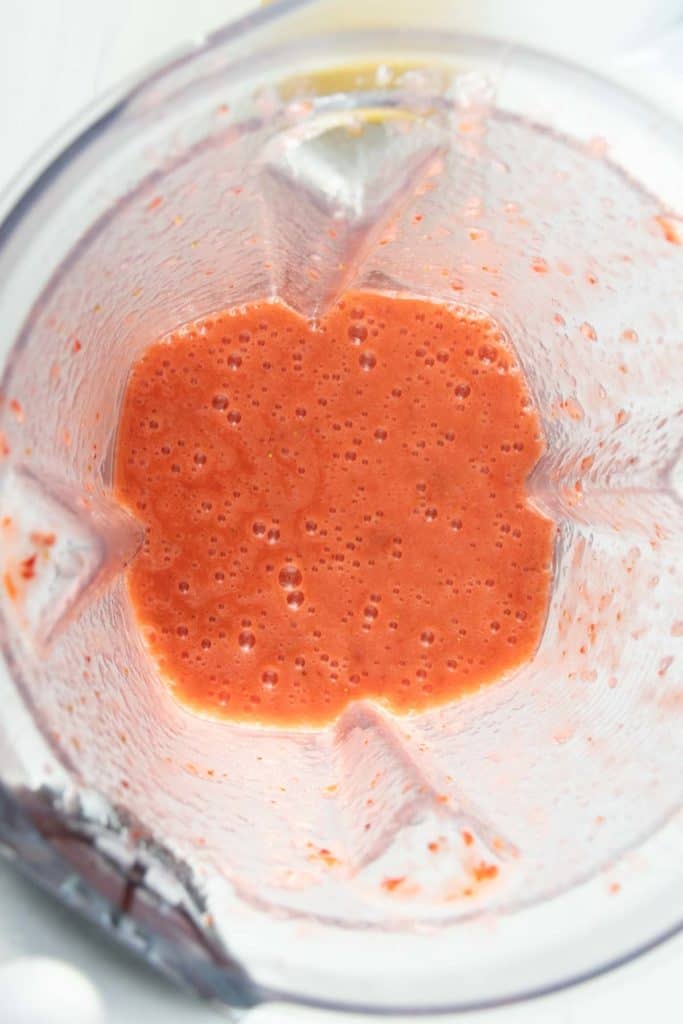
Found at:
(333, 510)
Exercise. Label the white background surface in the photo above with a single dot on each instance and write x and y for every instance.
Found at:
(55, 57)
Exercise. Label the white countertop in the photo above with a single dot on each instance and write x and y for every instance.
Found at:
(55, 56)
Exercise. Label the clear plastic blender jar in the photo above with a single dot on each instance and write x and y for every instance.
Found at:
(253, 863)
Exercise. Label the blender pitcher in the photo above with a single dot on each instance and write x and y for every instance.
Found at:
(519, 839)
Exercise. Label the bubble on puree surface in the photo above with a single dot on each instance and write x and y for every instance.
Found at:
(333, 510)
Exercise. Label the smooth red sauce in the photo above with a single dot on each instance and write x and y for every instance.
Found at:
(333, 511)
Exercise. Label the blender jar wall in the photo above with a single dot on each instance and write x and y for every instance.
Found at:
(438, 185)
